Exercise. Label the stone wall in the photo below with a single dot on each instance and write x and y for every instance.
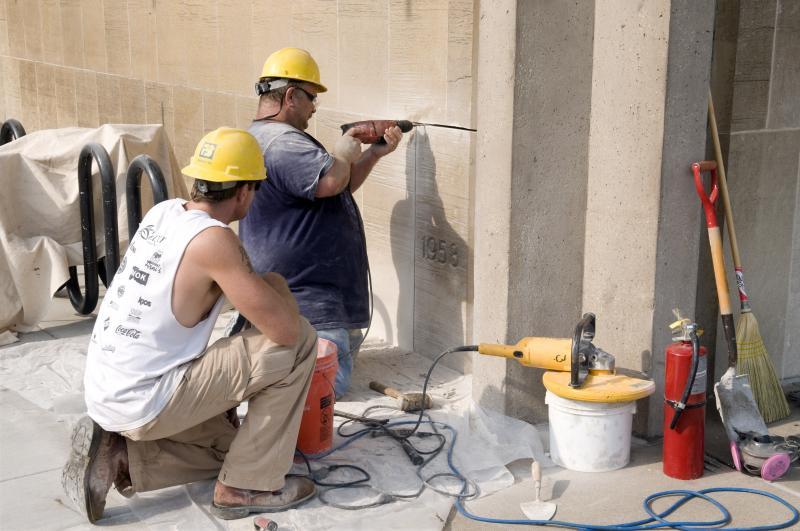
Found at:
(191, 65)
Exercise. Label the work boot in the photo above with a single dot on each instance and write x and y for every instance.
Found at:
(98, 459)
(231, 503)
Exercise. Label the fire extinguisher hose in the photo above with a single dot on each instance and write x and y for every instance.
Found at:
(680, 406)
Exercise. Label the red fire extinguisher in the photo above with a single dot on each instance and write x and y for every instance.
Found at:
(684, 402)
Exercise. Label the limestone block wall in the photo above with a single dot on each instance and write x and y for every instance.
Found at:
(763, 127)
(191, 65)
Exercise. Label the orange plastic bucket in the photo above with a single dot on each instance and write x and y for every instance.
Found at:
(316, 427)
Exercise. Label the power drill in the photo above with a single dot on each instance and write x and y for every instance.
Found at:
(371, 131)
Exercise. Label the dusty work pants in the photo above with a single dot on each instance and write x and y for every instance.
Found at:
(193, 439)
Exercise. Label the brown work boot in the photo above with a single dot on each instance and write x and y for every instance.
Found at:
(231, 503)
(98, 459)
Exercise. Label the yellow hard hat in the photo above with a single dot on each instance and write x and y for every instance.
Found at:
(227, 155)
(293, 63)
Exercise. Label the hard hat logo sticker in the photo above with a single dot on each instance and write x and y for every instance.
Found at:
(207, 151)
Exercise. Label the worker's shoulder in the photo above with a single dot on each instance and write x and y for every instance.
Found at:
(215, 243)
(271, 135)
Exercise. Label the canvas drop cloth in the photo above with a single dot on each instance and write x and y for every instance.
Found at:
(40, 228)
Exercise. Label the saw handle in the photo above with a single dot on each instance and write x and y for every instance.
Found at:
(584, 330)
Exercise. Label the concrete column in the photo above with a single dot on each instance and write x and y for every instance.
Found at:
(531, 177)
(625, 144)
(681, 233)
(495, 120)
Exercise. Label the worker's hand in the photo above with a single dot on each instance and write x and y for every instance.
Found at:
(392, 136)
(347, 147)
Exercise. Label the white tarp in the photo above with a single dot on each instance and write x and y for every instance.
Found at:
(40, 228)
(49, 375)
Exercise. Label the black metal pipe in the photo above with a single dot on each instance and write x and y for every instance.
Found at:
(11, 130)
(133, 189)
(108, 180)
(86, 303)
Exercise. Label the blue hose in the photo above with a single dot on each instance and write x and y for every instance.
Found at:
(659, 521)
(655, 521)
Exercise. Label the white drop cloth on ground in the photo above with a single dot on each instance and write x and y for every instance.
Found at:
(49, 375)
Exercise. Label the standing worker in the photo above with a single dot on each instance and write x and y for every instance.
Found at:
(161, 402)
(304, 223)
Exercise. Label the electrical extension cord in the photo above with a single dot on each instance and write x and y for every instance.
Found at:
(469, 489)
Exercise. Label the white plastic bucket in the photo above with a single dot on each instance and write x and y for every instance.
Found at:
(589, 436)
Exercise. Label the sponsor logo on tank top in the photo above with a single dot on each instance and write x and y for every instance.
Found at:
(106, 323)
(127, 332)
(135, 315)
(113, 304)
(120, 291)
(149, 234)
(122, 265)
(154, 262)
(108, 348)
(144, 302)
(142, 277)
(132, 249)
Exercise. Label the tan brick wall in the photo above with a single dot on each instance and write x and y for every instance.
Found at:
(191, 65)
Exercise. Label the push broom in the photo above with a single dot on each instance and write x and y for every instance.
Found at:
(753, 358)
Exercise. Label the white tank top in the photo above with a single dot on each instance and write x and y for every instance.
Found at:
(138, 351)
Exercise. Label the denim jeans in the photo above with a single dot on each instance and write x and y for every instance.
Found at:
(345, 340)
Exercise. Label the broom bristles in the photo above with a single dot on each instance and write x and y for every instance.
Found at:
(754, 361)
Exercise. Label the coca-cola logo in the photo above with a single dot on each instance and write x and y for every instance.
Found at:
(127, 332)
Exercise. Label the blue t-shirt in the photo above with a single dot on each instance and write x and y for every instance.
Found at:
(316, 243)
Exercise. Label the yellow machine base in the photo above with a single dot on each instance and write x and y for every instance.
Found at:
(599, 387)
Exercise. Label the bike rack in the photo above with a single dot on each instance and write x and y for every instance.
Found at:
(11, 130)
(106, 267)
(86, 303)
(133, 189)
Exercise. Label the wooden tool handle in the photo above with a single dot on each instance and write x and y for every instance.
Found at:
(385, 389)
(723, 183)
(723, 188)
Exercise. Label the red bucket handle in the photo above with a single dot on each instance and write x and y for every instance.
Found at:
(707, 200)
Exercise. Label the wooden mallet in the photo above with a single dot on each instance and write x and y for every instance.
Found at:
(408, 401)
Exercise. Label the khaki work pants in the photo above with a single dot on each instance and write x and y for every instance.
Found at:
(193, 439)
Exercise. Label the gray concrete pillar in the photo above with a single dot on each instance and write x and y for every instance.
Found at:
(492, 217)
(534, 91)
(597, 210)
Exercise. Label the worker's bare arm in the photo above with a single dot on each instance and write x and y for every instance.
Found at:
(351, 166)
(363, 166)
(279, 284)
(221, 255)
(337, 178)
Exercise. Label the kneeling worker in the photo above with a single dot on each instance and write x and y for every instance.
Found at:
(161, 402)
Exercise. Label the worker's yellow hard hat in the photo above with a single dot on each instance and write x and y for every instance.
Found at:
(227, 155)
(295, 64)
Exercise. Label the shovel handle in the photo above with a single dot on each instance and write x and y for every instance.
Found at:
(717, 258)
(708, 200)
